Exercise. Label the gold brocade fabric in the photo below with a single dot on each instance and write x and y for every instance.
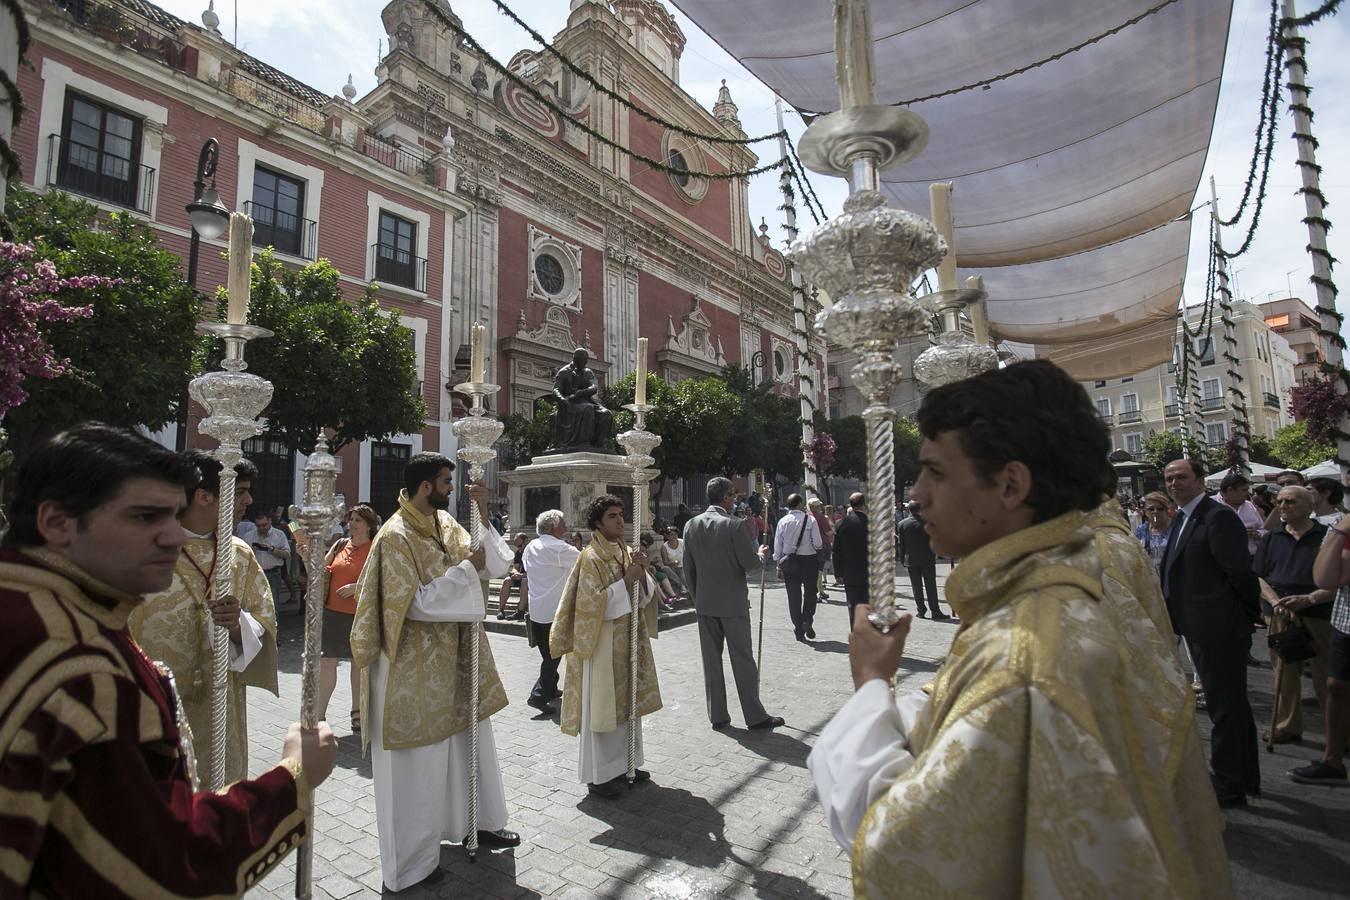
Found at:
(174, 627)
(427, 696)
(577, 630)
(1060, 739)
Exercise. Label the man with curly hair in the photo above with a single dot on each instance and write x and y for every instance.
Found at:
(591, 632)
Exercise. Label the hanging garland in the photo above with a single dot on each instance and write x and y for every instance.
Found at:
(540, 98)
(1269, 111)
(1036, 65)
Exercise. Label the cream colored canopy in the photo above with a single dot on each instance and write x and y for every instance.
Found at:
(1066, 176)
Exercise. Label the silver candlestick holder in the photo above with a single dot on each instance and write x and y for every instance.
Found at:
(638, 443)
(954, 356)
(476, 433)
(233, 400)
(866, 259)
(316, 516)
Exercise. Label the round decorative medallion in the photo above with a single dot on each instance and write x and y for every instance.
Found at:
(550, 273)
(530, 111)
(775, 265)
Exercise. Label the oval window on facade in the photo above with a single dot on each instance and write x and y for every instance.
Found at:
(549, 270)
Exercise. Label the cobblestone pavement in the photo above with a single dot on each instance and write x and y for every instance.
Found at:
(728, 813)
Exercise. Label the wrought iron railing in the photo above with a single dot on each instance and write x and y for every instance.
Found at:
(394, 155)
(1208, 404)
(1129, 415)
(1107, 419)
(398, 267)
(1271, 400)
(283, 231)
(82, 169)
(1172, 410)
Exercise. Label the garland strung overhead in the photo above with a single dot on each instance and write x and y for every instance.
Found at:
(539, 97)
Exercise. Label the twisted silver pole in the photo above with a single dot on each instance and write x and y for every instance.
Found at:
(233, 399)
(316, 517)
(866, 259)
(638, 443)
(476, 432)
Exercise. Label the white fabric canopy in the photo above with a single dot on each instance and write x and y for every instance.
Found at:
(1258, 474)
(1327, 469)
(1065, 176)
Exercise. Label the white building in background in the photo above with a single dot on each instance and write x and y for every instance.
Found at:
(1133, 407)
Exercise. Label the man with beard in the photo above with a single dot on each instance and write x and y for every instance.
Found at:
(591, 630)
(420, 602)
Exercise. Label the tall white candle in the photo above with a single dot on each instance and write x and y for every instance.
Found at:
(940, 197)
(979, 313)
(640, 390)
(238, 283)
(476, 367)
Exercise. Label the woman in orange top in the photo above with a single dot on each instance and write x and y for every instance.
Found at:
(344, 561)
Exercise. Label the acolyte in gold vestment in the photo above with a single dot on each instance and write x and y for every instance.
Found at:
(579, 629)
(427, 696)
(1058, 756)
(174, 627)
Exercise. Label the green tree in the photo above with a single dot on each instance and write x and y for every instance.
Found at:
(348, 367)
(1161, 447)
(130, 360)
(767, 434)
(1260, 450)
(525, 437)
(694, 418)
(1298, 451)
(908, 439)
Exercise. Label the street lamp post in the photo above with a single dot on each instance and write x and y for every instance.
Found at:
(209, 220)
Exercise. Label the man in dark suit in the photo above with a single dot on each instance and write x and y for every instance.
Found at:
(850, 553)
(718, 554)
(1213, 599)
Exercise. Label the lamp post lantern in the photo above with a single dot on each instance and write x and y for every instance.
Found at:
(209, 219)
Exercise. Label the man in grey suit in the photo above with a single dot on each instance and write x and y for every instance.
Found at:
(718, 554)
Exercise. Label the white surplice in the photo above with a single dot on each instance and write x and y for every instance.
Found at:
(861, 753)
(421, 792)
(604, 754)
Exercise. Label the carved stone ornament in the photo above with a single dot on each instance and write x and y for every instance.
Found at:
(554, 270)
(693, 338)
(554, 331)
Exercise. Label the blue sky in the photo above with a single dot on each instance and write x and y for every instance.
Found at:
(320, 41)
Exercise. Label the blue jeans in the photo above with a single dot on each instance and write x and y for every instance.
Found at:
(276, 580)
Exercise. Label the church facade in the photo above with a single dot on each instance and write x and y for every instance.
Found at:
(458, 192)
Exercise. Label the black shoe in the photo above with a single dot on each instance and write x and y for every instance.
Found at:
(770, 722)
(639, 776)
(609, 790)
(801, 637)
(810, 632)
(921, 614)
(539, 703)
(498, 840)
(1233, 800)
(941, 617)
(437, 875)
(718, 726)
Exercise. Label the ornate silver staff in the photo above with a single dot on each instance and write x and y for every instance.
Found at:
(866, 260)
(638, 443)
(316, 516)
(761, 488)
(476, 433)
(233, 400)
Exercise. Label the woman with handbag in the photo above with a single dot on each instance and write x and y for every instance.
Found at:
(344, 561)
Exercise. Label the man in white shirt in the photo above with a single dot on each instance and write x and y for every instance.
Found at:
(548, 560)
(795, 545)
(273, 550)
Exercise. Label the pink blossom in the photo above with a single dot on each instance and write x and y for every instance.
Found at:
(27, 299)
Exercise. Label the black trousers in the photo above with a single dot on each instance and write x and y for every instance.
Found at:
(854, 594)
(547, 685)
(921, 577)
(801, 591)
(1234, 758)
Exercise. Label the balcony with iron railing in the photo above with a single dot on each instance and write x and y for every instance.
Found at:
(1172, 410)
(1271, 401)
(272, 100)
(394, 155)
(398, 267)
(1106, 418)
(81, 169)
(1128, 416)
(1209, 404)
(283, 232)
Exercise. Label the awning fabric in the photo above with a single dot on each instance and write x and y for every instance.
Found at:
(1065, 177)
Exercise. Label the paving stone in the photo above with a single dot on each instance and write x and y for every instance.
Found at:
(729, 813)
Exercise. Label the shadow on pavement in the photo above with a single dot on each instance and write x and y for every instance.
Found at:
(771, 744)
(663, 823)
(829, 646)
(493, 875)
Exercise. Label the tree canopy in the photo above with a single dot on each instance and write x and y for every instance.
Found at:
(130, 359)
(1297, 450)
(348, 367)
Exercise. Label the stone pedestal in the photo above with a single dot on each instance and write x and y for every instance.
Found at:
(569, 482)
